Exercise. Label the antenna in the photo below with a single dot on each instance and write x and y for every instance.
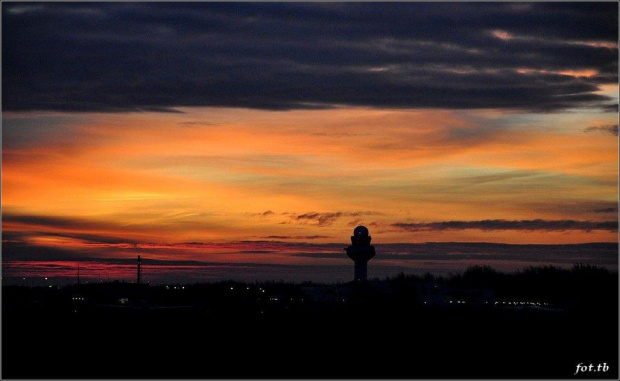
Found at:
(78, 274)
(139, 268)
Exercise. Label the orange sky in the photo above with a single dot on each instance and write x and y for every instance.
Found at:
(217, 174)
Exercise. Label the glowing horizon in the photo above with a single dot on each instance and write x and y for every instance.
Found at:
(228, 125)
(233, 174)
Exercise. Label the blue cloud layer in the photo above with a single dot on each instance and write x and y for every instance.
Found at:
(158, 56)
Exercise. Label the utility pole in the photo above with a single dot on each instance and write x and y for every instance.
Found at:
(139, 268)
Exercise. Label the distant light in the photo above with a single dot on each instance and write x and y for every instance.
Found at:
(183, 287)
(45, 278)
(232, 288)
(247, 288)
(263, 290)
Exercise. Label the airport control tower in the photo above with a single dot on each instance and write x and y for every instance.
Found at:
(360, 252)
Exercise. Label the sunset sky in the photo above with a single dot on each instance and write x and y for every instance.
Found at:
(252, 138)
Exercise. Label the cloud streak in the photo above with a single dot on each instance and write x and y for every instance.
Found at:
(482, 251)
(527, 225)
(296, 237)
(611, 129)
(326, 219)
(281, 56)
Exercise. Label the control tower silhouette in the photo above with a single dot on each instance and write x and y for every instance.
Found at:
(360, 252)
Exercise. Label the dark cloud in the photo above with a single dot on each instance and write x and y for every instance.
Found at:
(159, 56)
(600, 253)
(326, 219)
(610, 107)
(51, 221)
(611, 129)
(193, 124)
(579, 209)
(296, 237)
(323, 219)
(12, 251)
(256, 252)
(542, 225)
(97, 239)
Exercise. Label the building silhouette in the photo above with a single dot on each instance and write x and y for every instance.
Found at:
(360, 252)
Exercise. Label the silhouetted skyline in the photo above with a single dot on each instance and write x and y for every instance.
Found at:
(407, 326)
(28, 266)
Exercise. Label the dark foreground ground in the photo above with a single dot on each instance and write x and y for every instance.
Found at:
(372, 334)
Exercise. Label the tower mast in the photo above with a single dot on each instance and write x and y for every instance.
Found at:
(139, 268)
